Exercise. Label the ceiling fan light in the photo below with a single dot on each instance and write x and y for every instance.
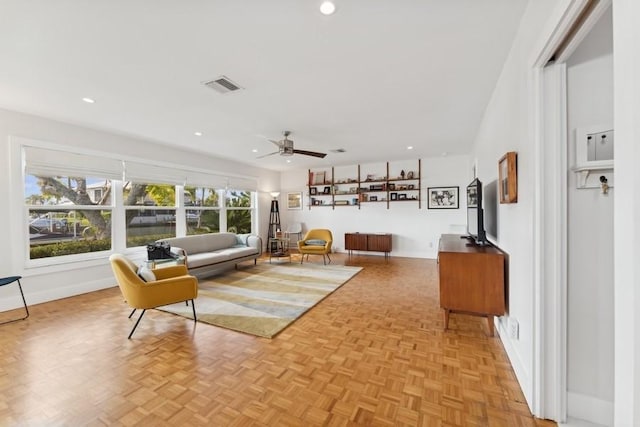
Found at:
(327, 8)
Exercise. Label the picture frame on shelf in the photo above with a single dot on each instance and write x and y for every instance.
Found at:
(373, 198)
(411, 187)
(402, 196)
(443, 197)
(313, 191)
(410, 175)
(294, 200)
(327, 190)
(319, 178)
(392, 187)
(394, 196)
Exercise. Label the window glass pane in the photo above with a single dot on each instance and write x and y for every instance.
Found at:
(65, 232)
(237, 198)
(63, 190)
(239, 221)
(199, 196)
(146, 194)
(201, 221)
(148, 225)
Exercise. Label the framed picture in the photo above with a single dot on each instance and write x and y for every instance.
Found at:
(508, 178)
(327, 190)
(410, 187)
(410, 175)
(392, 187)
(313, 191)
(402, 196)
(394, 196)
(443, 197)
(294, 200)
(373, 198)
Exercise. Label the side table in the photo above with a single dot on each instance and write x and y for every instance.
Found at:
(281, 245)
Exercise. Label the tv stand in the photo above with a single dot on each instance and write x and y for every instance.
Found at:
(471, 279)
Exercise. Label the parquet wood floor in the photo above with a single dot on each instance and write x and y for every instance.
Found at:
(371, 354)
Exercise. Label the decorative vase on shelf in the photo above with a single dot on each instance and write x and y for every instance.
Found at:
(402, 174)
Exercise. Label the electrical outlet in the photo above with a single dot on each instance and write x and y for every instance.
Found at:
(514, 329)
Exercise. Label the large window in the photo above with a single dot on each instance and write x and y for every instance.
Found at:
(78, 203)
(64, 219)
(202, 207)
(239, 208)
(150, 212)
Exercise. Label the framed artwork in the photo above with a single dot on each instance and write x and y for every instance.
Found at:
(443, 197)
(294, 200)
(508, 178)
(313, 191)
(327, 190)
(394, 196)
(402, 196)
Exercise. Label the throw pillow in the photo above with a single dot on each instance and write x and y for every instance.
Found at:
(315, 242)
(146, 274)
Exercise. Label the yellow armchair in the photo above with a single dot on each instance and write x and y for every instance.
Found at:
(307, 246)
(173, 284)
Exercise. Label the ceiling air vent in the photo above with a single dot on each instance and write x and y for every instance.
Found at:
(222, 84)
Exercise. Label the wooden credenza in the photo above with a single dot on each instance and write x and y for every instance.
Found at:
(374, 242)
(472, 278)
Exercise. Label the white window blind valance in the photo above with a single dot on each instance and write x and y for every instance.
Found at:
(50, 162)
(40, 161)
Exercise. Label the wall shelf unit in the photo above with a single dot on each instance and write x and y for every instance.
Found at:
(326, 188)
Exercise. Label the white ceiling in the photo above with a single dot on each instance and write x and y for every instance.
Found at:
(374, 78)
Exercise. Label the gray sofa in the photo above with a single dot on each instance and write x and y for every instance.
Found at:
(209, 253)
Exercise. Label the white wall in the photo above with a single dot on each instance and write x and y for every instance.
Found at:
(52, 282)
(415, 231)
(508, 126)
(626, 66)
(590, 236)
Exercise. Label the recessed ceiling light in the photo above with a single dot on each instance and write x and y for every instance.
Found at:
(444, 154)
(327, 8)
(197, 133)
(410, 147)
(89, 100)
(255, 150)
(288, 160)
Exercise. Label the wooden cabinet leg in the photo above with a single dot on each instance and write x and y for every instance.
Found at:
(446, 318)
(490, 321)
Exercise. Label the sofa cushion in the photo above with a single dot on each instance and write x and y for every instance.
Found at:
(207, 258)
(203, 242)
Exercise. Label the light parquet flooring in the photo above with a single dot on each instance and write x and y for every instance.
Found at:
(373, 353)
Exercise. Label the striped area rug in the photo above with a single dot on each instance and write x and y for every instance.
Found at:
(265, 299)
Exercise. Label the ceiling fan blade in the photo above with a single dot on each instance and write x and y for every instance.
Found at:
(310, 153)
(277, 143)
(267, 155)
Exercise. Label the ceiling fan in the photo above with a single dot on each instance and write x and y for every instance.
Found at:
(285, 148)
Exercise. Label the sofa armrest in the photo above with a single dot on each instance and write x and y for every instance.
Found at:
(255, 241)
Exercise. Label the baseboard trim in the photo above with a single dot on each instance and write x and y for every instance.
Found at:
(589, 408)
(522, 374)
(14, 301)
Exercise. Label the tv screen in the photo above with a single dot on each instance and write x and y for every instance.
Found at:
(475, 220)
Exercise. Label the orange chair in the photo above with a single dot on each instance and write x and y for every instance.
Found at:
(171, 285)
(317, 241)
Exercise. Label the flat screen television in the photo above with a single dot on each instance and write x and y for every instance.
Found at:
(475, 214)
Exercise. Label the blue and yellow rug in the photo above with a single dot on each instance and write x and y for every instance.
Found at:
(265, 299)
